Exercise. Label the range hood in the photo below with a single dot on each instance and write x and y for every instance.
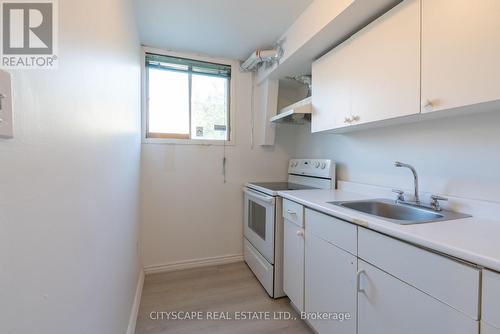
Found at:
(296, 113)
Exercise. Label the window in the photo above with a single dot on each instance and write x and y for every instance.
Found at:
(187, 99)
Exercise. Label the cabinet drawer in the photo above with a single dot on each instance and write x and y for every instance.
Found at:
(452, 282)
(491, 298)
(338, 232)
(293, 212)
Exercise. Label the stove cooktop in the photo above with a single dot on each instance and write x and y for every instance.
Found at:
(277, 186)
(271, 188)
(302, 174)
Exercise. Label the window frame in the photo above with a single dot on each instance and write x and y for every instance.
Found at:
(183, 139)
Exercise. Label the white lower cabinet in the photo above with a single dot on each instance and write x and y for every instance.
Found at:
(380, 285)
(330, 286)
(293, 263)
(490, 323)
(387, 305)
(452, 282)
(491, 298)
(488, 329)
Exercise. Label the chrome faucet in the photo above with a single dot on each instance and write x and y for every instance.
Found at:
(415, 178)
(434, 204)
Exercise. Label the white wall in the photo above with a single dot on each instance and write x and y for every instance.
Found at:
(453, 156)
(188, 213)
(69, 181)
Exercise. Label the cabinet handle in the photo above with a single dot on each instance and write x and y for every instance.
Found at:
(290, 212)
(354, 118)
(300, 233)
(427, 105)
(358, 281)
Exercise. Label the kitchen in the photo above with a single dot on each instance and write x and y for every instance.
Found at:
(330, 167)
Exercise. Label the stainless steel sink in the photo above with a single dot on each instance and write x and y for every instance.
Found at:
(399, 213)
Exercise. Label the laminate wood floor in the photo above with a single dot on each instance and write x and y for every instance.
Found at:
(230, 288)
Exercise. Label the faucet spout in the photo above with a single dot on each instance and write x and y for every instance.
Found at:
(415, 177)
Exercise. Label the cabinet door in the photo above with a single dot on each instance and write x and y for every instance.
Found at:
(488, 329)
(330, 285)
(374, 75)
(386, 71)
(460, 53)
(293, 263)
(491, 298)
(331, 88)
(461, 293)
(387, 305)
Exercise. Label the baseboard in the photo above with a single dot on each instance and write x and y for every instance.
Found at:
(189, 264)
(135, 306)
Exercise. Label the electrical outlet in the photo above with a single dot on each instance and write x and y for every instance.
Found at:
(6, 129)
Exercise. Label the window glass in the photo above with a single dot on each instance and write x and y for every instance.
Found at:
(209, 107)
(257, 219)
(168, 102)
(187, 99)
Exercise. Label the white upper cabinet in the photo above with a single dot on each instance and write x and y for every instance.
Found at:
(373, 76)
(460, 53)
(386, 72)
(331, 88)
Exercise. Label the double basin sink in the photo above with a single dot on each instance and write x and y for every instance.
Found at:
(403, 214)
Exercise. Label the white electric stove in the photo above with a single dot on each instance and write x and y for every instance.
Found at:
(263, 218)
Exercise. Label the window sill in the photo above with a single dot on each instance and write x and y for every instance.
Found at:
(200, 142)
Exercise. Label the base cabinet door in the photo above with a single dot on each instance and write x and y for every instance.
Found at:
(489, 329)
(491, 298)
(330, 286)
(293, 263)
(387, 305)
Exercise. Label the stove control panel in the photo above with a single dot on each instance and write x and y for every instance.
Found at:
(312, 167)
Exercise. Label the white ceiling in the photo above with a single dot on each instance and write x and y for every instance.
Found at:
(218, 28)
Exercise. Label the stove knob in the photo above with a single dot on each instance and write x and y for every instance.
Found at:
(323, 165)
(316, 164)
(291, 163)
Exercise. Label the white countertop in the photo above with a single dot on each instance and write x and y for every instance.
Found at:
(471, 239)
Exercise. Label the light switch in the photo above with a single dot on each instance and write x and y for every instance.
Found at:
(6, 130)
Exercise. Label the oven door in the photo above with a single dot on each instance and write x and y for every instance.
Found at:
(259, 222)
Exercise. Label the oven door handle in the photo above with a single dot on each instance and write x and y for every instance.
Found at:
(264, 198)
